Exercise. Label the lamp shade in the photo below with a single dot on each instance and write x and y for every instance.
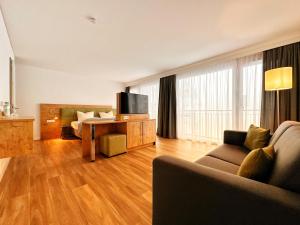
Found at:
(279, 79)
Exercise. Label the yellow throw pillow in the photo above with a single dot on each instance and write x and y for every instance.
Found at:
(257, 137)
(258, 164)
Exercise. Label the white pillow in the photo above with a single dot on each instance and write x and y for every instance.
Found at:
(83, 116)
(106, 115)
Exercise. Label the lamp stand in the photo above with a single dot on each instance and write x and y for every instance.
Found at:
(278, 115)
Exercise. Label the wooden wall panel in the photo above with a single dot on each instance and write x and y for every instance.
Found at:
(53, 112)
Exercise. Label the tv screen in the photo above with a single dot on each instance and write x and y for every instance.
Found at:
(133, 103)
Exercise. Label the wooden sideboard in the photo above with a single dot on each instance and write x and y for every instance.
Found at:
(16, 136)
(140, 130)
(140, 133)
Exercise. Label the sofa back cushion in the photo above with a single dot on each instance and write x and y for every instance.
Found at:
(281, 129)
(257, 137)
(286, 170)
(258, 164)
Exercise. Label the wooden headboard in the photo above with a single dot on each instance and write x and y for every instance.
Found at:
(50, 118)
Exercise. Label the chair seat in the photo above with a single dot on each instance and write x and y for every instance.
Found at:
(113, 144)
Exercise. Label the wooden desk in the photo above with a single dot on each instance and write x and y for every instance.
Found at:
(16, 136)
(140, 133)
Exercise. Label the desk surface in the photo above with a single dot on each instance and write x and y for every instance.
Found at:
(95, 122)
(16, 118)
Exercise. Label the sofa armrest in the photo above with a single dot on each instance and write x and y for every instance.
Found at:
(186, 193)
(234, 137)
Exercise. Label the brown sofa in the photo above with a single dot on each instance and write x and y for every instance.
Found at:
(208, 192)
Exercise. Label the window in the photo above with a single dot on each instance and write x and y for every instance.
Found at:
(204, 104)
(217, 98)
(152, 90)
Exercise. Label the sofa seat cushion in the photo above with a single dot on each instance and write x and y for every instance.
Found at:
(218, 164)
(230, 153)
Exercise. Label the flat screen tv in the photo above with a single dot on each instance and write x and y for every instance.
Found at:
(133, 103)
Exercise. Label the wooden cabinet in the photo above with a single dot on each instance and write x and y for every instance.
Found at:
(149, 131)
(140, 133)
(134, 134)
(16, 136)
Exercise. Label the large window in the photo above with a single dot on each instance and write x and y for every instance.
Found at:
(152, 90)
(204, 104)
(213, 99)
(220, 97)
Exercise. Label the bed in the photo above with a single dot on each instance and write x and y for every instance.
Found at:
(76, 126)
(70, 121)
(75, 130)
(55, 119)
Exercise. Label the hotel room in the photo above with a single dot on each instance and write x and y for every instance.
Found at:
(150, 112)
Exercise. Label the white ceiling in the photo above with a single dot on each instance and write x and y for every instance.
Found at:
(136, 38)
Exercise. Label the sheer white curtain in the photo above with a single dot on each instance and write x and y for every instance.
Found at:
(152, 90)
(219, 97)
(250, 74)
(204, 103)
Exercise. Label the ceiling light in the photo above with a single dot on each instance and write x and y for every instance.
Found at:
(91, 19)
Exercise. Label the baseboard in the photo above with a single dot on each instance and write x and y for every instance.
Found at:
(141, 146)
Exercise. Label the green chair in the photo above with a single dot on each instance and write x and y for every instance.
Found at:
(113, 144)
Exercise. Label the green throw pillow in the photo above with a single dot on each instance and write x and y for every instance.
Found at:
(258, 164)
(257, 137)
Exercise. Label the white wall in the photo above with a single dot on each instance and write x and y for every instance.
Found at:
(38, 85)
(5, 53)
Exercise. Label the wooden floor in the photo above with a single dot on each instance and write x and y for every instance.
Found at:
(54, 185)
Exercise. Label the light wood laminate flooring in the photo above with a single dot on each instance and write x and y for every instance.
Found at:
(55, 186)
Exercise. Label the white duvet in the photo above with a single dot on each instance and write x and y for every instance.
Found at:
(74, 125)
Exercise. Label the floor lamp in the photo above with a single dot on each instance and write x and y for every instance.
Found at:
(279, 79)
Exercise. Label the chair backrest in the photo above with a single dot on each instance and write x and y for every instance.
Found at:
(286, 170)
